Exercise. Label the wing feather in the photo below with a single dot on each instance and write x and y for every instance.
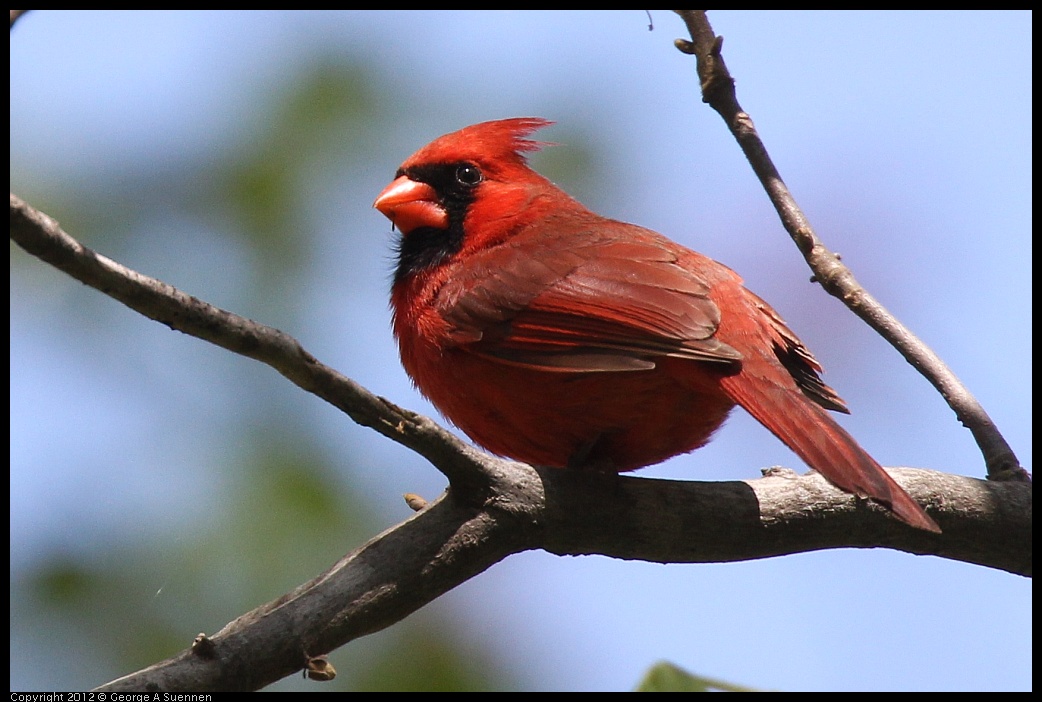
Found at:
(596, 304)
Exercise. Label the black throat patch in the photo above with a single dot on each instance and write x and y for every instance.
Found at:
(426, 247)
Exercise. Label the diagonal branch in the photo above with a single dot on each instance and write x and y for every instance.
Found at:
(41, 236)
(718, 91)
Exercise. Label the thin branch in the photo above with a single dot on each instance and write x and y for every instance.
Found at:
(718, 91)
(41, 236)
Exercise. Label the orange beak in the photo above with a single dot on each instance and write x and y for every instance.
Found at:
(410, 204)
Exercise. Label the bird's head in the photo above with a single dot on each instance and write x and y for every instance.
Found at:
(469, 189)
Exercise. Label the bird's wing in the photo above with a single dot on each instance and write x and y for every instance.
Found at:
(796, 358)
(594, 302)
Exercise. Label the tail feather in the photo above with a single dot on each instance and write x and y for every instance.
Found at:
(823, 444)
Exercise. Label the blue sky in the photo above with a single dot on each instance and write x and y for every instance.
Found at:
(905, 136)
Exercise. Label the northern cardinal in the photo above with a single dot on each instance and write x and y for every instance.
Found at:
(557, 337)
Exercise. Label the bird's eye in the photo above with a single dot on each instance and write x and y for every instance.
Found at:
(468, 175)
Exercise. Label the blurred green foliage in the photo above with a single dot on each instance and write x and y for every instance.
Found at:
(666, 677)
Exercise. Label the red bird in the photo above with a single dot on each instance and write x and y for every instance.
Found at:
(558, 337)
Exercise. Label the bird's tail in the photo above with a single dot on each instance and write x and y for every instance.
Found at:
(823, 444)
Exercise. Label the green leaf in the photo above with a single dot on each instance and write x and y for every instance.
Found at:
(666, 677)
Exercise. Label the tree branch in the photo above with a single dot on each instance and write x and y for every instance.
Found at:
(718, 91)
(573, 513)
(41, 236)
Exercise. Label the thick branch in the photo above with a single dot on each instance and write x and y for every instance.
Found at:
(371, 588)
(718, 91)
(569, 512)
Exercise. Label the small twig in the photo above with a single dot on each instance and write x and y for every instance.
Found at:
(718, 91)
